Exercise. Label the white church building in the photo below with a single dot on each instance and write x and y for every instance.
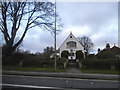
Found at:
(72, 45)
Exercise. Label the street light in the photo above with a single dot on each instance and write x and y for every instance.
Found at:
(55, 39)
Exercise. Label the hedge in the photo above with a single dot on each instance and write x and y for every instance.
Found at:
(13, 59)
(28, 60)
(43, 62)
(100, 63)
(79, 55)
(40, 61)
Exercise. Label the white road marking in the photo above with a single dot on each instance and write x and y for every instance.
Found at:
(40, 87)
(30, 86)
(67, 81)
(91, 82)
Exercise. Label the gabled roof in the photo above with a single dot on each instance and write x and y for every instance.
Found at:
(114, 49)
(68, 37)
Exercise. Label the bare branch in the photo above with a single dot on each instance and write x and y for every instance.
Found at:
(36, 13)
(86, 42)
(22, 6)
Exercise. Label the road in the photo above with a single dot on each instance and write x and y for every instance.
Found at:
(51, 83)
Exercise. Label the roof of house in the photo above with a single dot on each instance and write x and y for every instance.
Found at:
(114, 49)
(67, 38)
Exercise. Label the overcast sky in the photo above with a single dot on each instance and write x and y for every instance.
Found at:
(98, 20)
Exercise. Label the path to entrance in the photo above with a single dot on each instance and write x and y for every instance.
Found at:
(73, 70)
(72, 67)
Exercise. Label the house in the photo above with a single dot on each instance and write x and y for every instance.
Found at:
(49, 50)
(109, 52)
(71, 45)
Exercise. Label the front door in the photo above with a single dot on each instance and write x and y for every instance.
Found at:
(71, 56)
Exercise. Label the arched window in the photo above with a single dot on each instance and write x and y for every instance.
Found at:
(71, 44)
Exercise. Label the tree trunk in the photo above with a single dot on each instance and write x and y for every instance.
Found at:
(7, 50)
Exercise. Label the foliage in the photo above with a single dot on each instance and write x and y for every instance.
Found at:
(65, 54)
(26, 59)
(22, 16)
(13, 59)
(106, 55)
(91, 56)
(96, 71)
(60, 62)
(79, 55)
(100, 63)
(86, 42)
(37, 60)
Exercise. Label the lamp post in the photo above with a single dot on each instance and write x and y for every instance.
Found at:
(55, 64)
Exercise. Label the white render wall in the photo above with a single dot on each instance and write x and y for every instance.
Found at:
(64, 46)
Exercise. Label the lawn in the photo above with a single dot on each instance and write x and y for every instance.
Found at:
(45, 69)
(50, 69)
(99, 71)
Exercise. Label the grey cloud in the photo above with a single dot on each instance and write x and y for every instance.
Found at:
(100, 18)
(37, 40)
(93, 14)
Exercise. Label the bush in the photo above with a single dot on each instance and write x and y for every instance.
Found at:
(65, 54)
(38, 60)
(60, 62)
(79, 55)
(13, 59)
(28, 60)
(106, 55)
(100, 63)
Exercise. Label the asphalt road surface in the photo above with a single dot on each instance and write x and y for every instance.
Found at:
(14, 82)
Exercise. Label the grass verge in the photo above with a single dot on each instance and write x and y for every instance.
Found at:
(50, 69)
(99, 71)
(45, 69)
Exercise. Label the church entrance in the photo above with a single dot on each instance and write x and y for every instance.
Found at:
(71, 56)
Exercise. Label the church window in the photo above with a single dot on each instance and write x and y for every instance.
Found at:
(71, 44)
(70, 36)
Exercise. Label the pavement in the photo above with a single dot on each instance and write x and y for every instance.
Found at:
(73, 70)
(62, 74)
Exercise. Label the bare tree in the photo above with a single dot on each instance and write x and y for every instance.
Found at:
(86, 42)
(22, 16)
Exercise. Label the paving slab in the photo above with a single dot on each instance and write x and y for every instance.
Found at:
(62, 74)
